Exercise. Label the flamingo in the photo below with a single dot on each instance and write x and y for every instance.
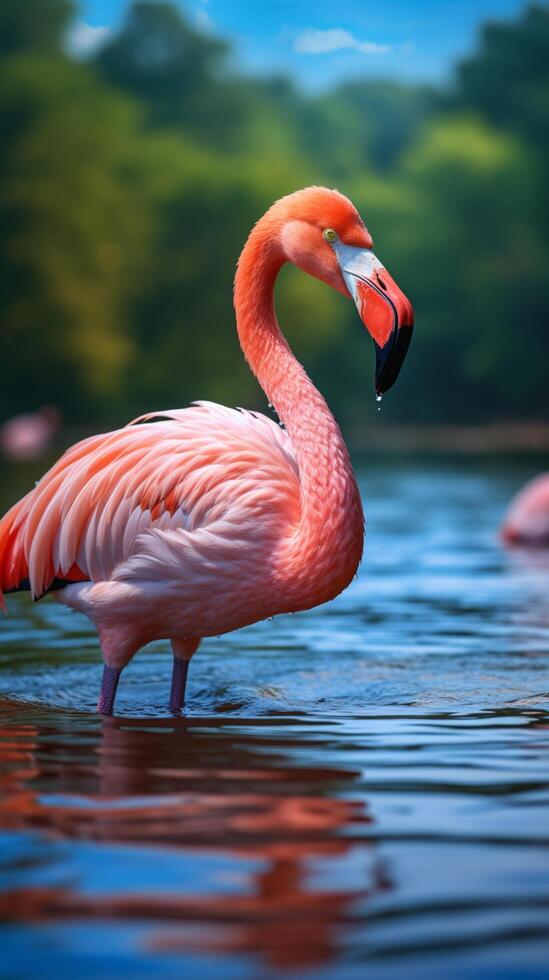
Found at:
(28, 436)
(527, 520)
(194, 522)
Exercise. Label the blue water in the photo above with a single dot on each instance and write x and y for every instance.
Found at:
(357, 791)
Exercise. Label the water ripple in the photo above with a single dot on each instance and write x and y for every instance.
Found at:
(361, 790)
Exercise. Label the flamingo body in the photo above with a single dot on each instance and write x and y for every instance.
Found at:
(176, 523)
(527, 520)
(193, 522)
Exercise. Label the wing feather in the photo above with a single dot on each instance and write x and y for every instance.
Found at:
(92, 511)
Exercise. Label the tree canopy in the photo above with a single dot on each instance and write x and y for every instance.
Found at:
(128, 184)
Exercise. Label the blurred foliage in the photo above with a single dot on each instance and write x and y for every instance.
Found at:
(73, 234)
(33, 25)
(128, 184)
(508, 80)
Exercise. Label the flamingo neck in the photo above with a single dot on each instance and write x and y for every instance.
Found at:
(324, 550)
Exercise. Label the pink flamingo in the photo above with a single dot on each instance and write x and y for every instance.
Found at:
(527, 520)
(194, 522)
(28, 436)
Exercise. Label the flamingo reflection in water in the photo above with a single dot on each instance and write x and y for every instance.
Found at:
(203, 790)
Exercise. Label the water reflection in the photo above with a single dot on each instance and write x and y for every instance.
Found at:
(359, 790)
(193, 787)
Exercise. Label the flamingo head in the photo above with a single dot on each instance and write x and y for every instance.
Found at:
(322, 233)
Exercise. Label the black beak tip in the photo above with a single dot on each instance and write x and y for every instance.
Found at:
(390, 358)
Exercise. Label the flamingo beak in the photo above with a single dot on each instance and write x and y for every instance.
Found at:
(383, 308)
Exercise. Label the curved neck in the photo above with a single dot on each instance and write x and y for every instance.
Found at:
(326, 547)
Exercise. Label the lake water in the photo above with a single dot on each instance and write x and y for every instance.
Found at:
(358, 791)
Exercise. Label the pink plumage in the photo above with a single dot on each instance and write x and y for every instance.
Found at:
(527, 520)
(193, 522)
(28, 436)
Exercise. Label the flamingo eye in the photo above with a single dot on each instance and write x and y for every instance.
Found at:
(330, 235)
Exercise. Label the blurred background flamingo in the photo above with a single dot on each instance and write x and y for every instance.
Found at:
(527, 521)
(29, 435)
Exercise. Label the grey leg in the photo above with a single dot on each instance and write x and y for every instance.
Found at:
(111, 676)
(179, 681)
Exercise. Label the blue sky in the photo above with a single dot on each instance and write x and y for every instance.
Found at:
(320, 42)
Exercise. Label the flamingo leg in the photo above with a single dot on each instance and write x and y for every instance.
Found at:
(182, 653)
(111, 676)
(179, 682)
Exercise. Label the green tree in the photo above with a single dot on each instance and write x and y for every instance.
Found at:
(364, 125)
(173, 71)
(71, 234)
(507, 79)
(33, 25)
(128, 186)
(473, 254)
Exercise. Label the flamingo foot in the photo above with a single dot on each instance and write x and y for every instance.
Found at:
(111, 676)
(179, 682)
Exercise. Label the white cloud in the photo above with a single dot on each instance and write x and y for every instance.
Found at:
(313, 41)
(83, 39)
